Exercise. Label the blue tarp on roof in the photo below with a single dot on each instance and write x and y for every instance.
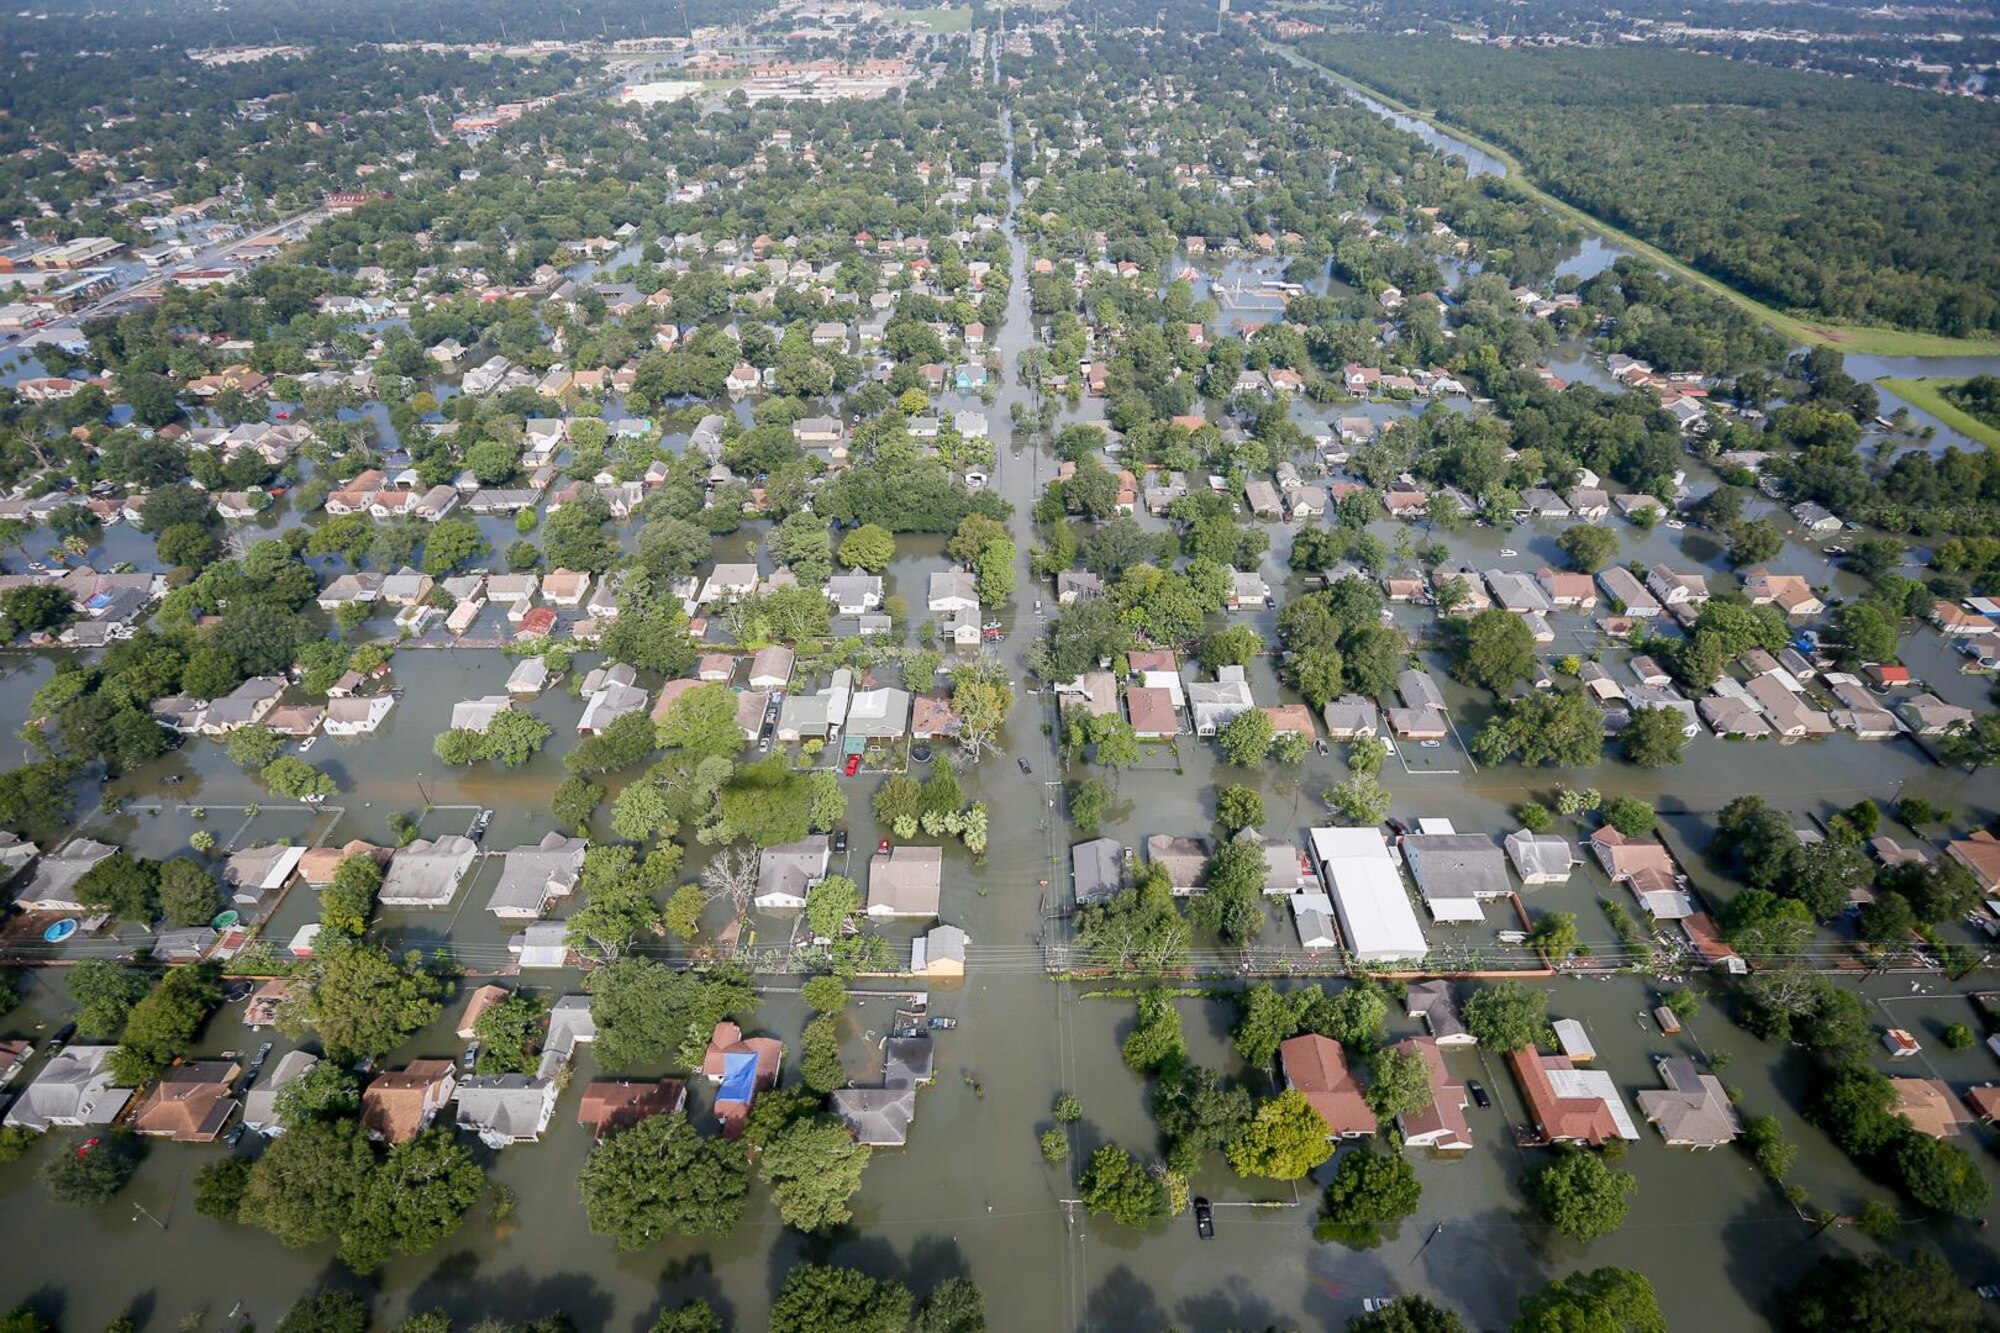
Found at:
(739, 1077)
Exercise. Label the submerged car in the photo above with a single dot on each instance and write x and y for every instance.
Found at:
(1204, 1219)
(1024, 766)
(1479, 1093)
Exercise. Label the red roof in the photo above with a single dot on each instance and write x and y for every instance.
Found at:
(1317, 1067)
(1561, 1119)
(536, 623)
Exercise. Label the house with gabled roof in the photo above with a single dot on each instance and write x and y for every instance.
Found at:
(1316, 1067)
(399, 1105)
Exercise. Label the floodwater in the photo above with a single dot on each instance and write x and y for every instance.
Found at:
(970, 1194)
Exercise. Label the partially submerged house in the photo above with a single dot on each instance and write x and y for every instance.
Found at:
(532, 877)
(1316, 1067)
(1694, 1111)
(426, 872)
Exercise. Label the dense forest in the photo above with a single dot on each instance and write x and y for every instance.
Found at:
(1849, 201)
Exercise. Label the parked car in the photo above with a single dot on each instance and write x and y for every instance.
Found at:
(1024, 766)
(1479, 1093)
(852, 766)
(882, 847)
(471, 1057)
(840, 840)
(1204, 1219)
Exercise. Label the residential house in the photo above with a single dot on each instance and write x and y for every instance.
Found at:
(1434, 1002)
(1815, 518)
(399, 1105)
(1540, 858)
(1247, 590)
(1351, 717)
(478, 714)
(244, 706)
(787, 871)
(1958, 623)
(878, 716)
(854, 594)
(954, 606)
(53, 888)
(1570, 1105)
(610, 1105)
(1097, 869)
(610, 692)
(255, 872)
(260, 1104)
(742, 1067)
(771, 668)
(1215, 704)
(74, 1090)
(939, 953)
(1929, 1106)
(543, 946)
(1316, 1067)
(356, 716)
(1074, 584)
(1929, 715)
(727, 583)
(905, 882)
(1674, 587)
(426, 872)
(1567, 590)
(1456, 873)
(505, 1109)
(531, 877)
(1422, 716)
(1185, 859)
(1441, 1123)
(477, 1003)
(1152, 712)
(1626, 591)
(1788, 592)
(1979, 854)
(190, 1103)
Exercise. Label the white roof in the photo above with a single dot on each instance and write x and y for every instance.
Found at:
(1574, 1040)
(1595, 1085)
(1375, 910)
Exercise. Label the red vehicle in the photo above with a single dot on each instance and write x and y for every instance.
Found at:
(882, 847)
(852, 766)
(88, 1144)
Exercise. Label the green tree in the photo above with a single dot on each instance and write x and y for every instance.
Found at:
(1265, 1020)
(818, 1298)
(1630, 816)
(413, 1202)
(1285, 1140)
(292, 777)
(647, 1013)
(347, 904)
(1398, 1083)
(830, 905)
(819, 1056)
(824, 995)
(219, 1188)
(1941, 1176)
(574, 802)
(361, 1001)
(1555, 935)
(869, 548)
(1580, 1196)
(1603, 1300)
(1773, 1153)
(1506, 1016)
(305, 1186)
(1117, 1185)
(660, 1178)
(516, 736)
(104, 993)
(1545, 727)
(1089, 802)
(188, 893)
(1246, 738)
(703, 722)
(1495, 650)
(1589, 547)
(1239, 808)
(126, 886)
(693, 1316)
(327, 1311)
(1878, 1294)
(1359, 801)
(87, 1177)
(163, 1025)
(510, 1035)
(956, 1306)
(1232, 906)
(1155, 1042)
(1653, 738)
(813, 1168)
(1368, 1191)
(253, 746)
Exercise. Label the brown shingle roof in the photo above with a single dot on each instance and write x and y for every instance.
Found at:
(615, 1104)
(395, 1106)
(1317, 1067)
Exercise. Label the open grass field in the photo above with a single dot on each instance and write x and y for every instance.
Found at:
(1862, 341)
(1928, 396)
(950, 19)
